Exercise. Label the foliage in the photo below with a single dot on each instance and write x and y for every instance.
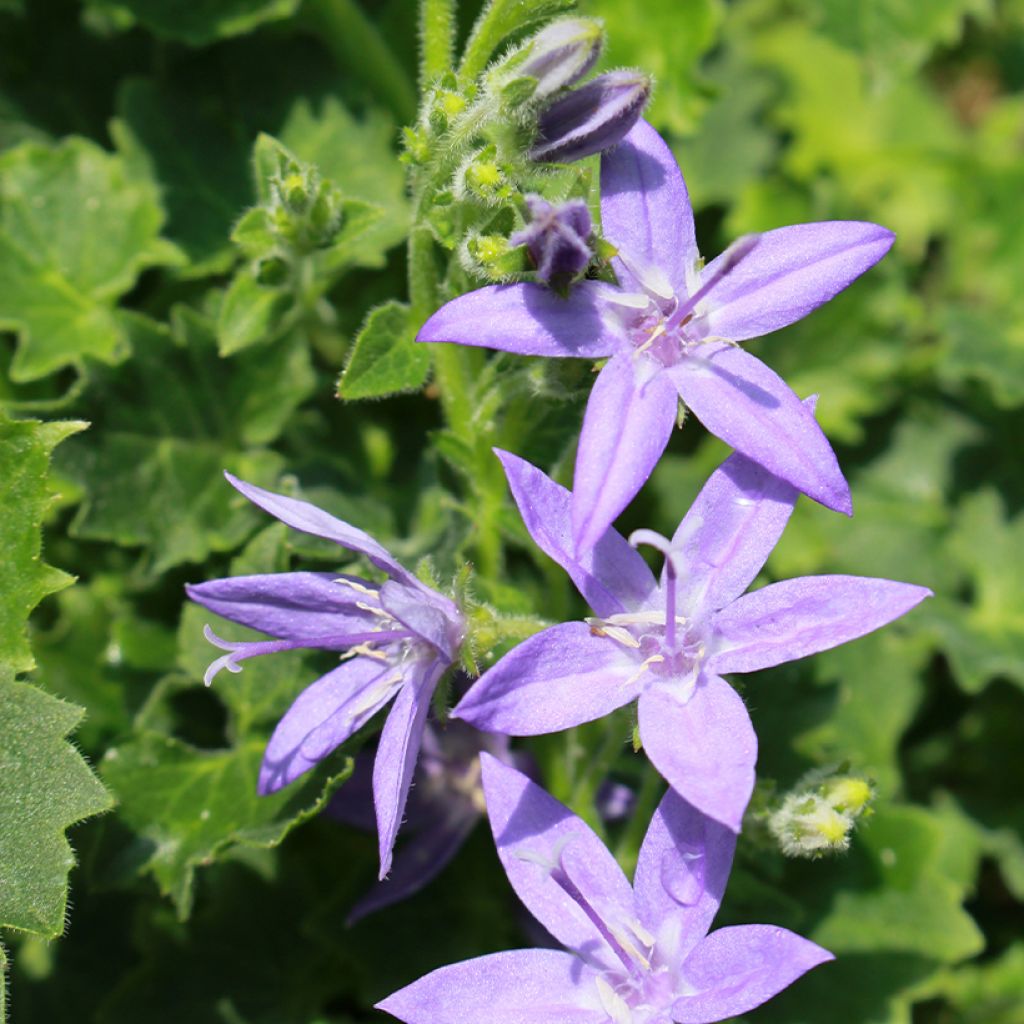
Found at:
(151, 287)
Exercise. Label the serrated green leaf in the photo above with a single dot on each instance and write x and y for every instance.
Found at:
(47, 788)
(385, 358)
(25, 450)
(201, 22)
(155, 478)
(77, 225)
(194, 805)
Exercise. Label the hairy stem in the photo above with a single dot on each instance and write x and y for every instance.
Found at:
(437, 39)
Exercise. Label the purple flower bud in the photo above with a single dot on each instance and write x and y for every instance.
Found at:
(556, 238)
(561, 54)
(591, 118)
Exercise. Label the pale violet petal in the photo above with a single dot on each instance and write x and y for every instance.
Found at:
(792, 619)
(611, 575)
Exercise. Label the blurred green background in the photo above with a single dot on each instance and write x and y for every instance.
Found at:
(125, 138)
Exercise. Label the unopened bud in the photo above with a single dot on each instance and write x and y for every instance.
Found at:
(482, 178)
(492, 257)
(556, 239)
(819, 814)
(558, 55)
(591, 118)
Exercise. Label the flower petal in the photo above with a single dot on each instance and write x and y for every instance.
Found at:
(730, 530)
(794, 618)
(522, 986)
(533, 833)
(528, 319)
(558, 678)
(612, 576)
(706, 748)
(790, 272)
(681, 873)
(430, 615)
(749, 406)
(397, 750)
(629, 419)
(417, 861)
(735, 969)
(322, 717)
(287, 605)
(645, 210)
(301, 515)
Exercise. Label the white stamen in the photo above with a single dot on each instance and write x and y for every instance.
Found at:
(601, 627)
(613, 1004)
(360, 588)
(375, 695)
(654, 659)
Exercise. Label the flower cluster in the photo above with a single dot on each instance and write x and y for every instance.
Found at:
(669, 331)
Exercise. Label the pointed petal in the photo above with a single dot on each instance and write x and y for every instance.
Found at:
(730, 531)
(789, 620)
(645, 209)
(436, 621)
(750, 407)
(558, 678)
(612, 576)
(706, 748)
(789, 273)
(681, 873)
(301, 515)
(522, 986)
(397, 750)
(532, 831)
(629, 419)
(286, 605)
(528, 319)
(322, 717)
(735, 969)
(417, 861)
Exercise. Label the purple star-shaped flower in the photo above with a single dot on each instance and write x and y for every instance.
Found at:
(667, 643)
(445, 803)
(670, 331)
(397, 639)
(637, 954)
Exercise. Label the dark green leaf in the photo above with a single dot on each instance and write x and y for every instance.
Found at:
(385, 359)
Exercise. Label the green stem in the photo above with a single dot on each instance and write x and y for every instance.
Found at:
(490, 28)
(437, 39)
(357, 45)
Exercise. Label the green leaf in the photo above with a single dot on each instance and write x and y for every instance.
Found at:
(173, 421)
(984, 636)
(77, 225)
(47, 788)
(895, 36)
(25, 449)
(194, 805)
(989, 993)
(250, 312)
(385, 358)
(200, 22)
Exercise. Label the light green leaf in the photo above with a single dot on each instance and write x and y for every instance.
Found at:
(895, 36)
(77, 225)
(173, 422)
(200, 22)
(47, 788)
(385, 359)
(194, 805)
(25, 449)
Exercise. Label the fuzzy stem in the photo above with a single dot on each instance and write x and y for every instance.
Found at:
(437, 39)
(357, 45)
(488, 32)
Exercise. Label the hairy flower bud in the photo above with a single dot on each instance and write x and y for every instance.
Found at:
(819, 815)
(557, 56)
(556, 239)
(591, 118)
